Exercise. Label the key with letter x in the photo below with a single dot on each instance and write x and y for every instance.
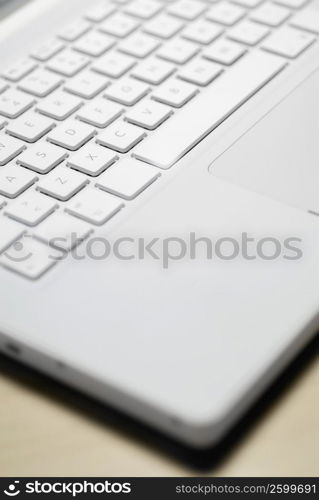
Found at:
(92, 159)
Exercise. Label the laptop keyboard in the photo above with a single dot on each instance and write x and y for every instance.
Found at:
(95, 116)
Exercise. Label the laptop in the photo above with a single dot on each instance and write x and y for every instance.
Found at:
(159, 230)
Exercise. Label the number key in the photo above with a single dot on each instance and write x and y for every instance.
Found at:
(67, 63)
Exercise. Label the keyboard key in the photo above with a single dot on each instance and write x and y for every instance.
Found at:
(288, 42)
(163, 26)
(3, 86)
(148, 114)
(30, 127)
(62, 231)
(94, 44)
(127, 91)
(40, 83)
(59, 105)
(71, 134)
(62, 183)
(19, 70)
(2, 202)
(178, 51)
(202, 31)
(92, 159)
(127, 178)
(67, 63)
(270, 14)
(9, 232)
(119, 25)
(174, 93)
(47, 50)
(28, 258)
(144, 9)
(31, 209)
(94, 206)
(248, 3)
(200, 72)
(13, 103)
(186, 9)
(99, 12)
(42, 157)
(153, 71)
(9, 148)
(120, 136)
(74, 30)
(225, 13)
(87, 84)
(307, 19)
(100, 113)
(224, 52)
(248, 33)
(292, 4)
(14, 180)
(113, 64)
(197, 120)
(138, 45)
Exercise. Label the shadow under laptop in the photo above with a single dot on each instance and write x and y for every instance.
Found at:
(198, 461)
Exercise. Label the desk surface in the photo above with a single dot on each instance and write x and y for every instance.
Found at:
(46, 429)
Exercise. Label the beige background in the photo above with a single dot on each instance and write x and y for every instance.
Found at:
(46, 429)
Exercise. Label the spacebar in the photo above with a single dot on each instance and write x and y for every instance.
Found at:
(185, 129)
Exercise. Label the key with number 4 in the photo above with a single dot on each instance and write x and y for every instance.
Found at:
(40, 83)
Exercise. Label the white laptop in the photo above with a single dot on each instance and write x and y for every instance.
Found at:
(159, 194)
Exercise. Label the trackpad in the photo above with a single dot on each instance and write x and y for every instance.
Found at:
(279, 156)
